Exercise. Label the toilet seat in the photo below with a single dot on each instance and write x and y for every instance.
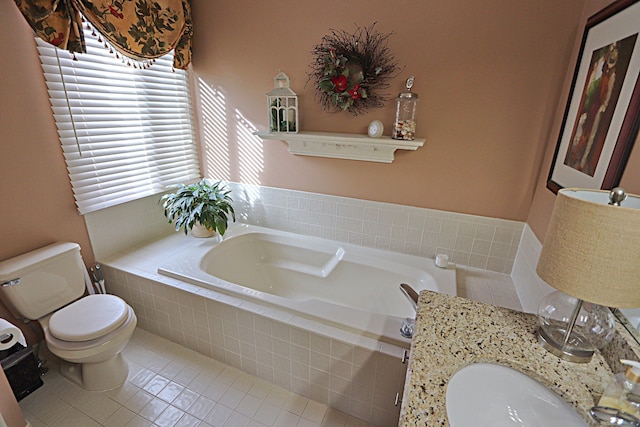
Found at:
(58, 345)
(88, 318)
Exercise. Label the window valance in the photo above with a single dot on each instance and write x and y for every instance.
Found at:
(139, 29)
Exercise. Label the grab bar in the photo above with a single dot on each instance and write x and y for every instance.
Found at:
(410, 294)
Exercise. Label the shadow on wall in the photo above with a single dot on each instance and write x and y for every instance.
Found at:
(243, 160)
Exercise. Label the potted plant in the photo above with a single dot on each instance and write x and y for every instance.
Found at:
(201, 207)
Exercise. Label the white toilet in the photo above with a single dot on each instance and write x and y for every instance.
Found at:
(87, 333)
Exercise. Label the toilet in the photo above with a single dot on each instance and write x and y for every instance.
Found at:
(87, 333)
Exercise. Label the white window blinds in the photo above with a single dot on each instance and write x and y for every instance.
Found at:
(126, 132)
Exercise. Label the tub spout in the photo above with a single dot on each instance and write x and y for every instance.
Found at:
(406, 330)
(411, 295)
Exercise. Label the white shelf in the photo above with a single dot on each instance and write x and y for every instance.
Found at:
(343, 145)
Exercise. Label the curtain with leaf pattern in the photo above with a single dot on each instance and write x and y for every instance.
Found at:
(139, 29)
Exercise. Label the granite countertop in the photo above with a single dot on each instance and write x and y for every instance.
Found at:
(453, 332)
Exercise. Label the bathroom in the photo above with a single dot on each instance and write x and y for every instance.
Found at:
(493, 79)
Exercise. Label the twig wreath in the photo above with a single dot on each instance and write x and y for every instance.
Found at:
(349, 70)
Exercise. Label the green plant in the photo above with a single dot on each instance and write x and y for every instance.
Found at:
(203, 203)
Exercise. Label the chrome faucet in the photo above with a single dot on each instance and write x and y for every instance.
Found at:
(613, 417)
(406, 330)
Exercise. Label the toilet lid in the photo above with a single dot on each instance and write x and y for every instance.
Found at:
(88, 318)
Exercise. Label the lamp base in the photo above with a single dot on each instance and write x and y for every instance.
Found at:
(577, 350)
(573, 329)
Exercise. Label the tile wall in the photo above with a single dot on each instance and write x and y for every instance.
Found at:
(352, 373)
(474, 241)
(529, 286)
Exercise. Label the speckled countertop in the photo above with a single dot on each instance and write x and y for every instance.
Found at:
(453, 332)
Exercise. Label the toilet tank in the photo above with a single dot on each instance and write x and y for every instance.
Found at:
(41, 281)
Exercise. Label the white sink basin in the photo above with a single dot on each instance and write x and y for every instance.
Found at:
(488, 395)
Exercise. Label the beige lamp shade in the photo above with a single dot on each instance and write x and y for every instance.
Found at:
(592, 248)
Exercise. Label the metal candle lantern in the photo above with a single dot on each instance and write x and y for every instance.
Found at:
(282, 104)
(406, 104)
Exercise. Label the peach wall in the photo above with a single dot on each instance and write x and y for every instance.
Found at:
(488, 74)
(492, 77)
(544, 199)
(36, 201)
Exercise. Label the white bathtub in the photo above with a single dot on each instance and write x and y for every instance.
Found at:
(337, 283)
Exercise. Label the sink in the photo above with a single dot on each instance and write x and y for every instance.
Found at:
(491, 395)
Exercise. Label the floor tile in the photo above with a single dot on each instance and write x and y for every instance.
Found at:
(171, 386)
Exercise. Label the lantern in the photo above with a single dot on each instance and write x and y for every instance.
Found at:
(282, 104)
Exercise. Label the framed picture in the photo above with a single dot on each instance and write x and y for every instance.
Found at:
(601, 119)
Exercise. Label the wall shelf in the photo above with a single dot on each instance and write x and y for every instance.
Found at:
(343, 145)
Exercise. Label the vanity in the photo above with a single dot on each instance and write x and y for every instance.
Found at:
(453, 332)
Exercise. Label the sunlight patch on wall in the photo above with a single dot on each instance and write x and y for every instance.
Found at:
(214, 132)
(250, 153)
(230, 150)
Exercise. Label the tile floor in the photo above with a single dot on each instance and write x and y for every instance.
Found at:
(169, 385)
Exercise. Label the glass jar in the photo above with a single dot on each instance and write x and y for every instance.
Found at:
(406, 105)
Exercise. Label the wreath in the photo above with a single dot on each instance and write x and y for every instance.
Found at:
(350, 70)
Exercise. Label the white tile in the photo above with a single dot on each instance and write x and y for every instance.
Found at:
(188, 420)
(218, 415)
(237, 420)
(185, 399)
(216, 390)
(267, 413)
(72, 417)
(142, 377)
(201, 407)
(123, 393)
(249, 405)
(170, 392)
(156, 385)
(104, 411)
(260, 389)
(139, 421)
(120, 418)
(296, 404)
(244, 382)
(169, 417)
(232, 397)
(153, 409)
(286, 419)
(277, 396)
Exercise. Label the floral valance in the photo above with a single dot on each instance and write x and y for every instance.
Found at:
(139, 29)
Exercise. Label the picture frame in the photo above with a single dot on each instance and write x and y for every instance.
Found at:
(602, 115)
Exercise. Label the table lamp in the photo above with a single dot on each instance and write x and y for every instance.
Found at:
(591, 255)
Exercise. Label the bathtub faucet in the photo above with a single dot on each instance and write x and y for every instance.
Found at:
(406, 330)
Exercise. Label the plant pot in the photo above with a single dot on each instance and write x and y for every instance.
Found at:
(199, 230)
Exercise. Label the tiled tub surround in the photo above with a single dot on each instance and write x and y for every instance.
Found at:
(475, 241)
(347, 371)
(529, 286)
(478, 242)
(479, 333)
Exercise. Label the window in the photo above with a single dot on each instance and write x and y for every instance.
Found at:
(126, 132)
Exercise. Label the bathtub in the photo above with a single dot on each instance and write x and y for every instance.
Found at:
(340, 284)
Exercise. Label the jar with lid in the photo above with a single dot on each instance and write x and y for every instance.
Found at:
(406, 105)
